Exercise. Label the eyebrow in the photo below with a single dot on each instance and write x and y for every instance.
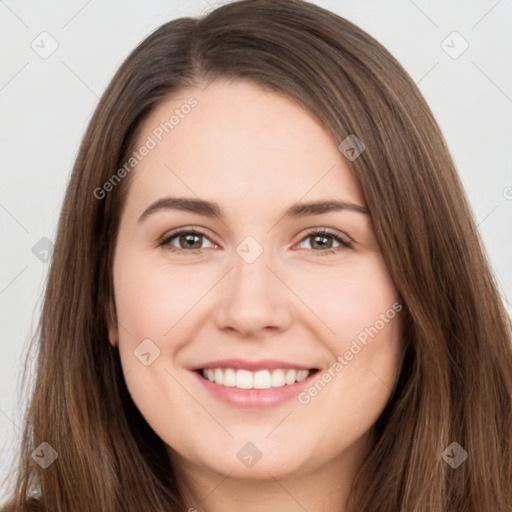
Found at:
(211, 209)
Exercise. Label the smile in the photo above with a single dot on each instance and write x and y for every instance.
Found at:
(261, 379)
(253, 384)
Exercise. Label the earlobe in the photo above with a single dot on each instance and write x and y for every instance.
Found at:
(113, 336)
(111, 318)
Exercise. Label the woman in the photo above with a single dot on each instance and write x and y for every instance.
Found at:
(255, 372)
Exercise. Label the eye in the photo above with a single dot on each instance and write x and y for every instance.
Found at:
(189, 240)
(321, 240)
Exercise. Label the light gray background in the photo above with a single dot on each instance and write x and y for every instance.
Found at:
(45, 104)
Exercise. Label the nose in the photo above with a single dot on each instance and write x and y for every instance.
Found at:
(254, 299)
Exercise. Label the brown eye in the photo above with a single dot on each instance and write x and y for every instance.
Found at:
(189, 240)
(323, 241)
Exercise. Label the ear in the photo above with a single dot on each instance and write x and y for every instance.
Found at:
(113, 336)
(113, 333)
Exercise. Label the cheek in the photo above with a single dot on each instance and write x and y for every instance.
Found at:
(352, 298)
(156, 308)
(361, 307)
(363, 310)
(152, 299)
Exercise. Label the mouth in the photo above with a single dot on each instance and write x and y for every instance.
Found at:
(253, 385)
(260, 379)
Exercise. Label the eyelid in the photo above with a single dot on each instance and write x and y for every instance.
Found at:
(328, 231)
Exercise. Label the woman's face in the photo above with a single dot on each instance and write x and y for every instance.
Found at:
(260, 297)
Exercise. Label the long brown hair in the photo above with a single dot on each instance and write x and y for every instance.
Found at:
(455, 383)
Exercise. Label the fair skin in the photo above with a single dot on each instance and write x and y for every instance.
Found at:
(254, 153)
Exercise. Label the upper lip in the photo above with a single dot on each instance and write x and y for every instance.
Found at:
(243, 364)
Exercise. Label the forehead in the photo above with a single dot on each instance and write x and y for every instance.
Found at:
(236, 140)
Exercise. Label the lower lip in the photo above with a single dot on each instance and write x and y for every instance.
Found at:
(254, 398)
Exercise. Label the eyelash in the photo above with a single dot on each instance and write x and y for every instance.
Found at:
(165, 241)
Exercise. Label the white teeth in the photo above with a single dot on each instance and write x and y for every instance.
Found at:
(289, 377)
(302, 374)
(278, 378)
(243, 379)
(229, 378)
(261, 379)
